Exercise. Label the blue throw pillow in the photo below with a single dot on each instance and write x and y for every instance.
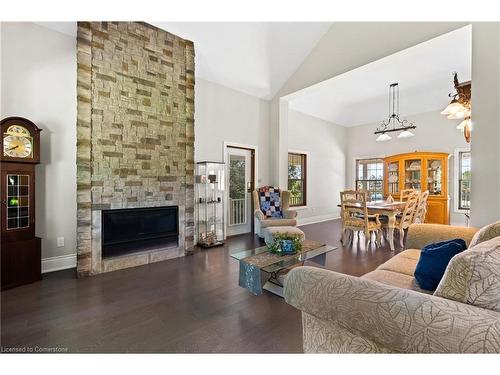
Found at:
(434, 259)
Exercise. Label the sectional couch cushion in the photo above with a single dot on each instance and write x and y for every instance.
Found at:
(396, 279)
(398, 271)
(473, 276)
(486, 233)
(404, 262)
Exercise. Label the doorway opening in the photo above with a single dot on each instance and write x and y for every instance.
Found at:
(240, 162)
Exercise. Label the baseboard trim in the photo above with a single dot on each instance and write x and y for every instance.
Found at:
(316, 219)
(58, 263)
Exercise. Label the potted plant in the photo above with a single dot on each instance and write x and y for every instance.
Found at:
(285, 244)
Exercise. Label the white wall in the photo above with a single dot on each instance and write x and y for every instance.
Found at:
(434, 133)
(38, 72)
(325, 144)
(225, 115)
(485, 143)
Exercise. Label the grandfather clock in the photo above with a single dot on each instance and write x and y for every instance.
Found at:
(20, 248)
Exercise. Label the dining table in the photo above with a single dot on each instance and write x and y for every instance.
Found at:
(388, 209)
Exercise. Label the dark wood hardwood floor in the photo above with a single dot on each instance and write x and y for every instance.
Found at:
(187, 305)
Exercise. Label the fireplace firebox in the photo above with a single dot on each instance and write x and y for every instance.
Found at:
(131, 230)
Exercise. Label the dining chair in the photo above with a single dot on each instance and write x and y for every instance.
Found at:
(355, 218)
(406, 218)
(405, 193)
(421, 210)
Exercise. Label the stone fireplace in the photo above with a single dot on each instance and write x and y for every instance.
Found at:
(135, 142)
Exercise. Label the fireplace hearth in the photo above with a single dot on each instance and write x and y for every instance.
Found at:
(131, 230)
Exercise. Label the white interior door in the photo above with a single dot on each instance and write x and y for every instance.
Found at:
(239, 215)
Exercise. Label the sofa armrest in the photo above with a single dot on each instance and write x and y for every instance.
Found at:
(258, 214)
(420, 235)
(397, 319)
(289, 214)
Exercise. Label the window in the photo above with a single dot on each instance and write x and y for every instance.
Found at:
(464, 180)
(297, 165)
(370, 176)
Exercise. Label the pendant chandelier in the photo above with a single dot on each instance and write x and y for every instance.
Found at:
(393, 123)
(460, 106)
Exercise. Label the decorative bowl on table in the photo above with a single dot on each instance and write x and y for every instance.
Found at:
(285, 244)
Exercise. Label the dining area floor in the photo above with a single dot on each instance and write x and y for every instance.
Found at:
(354, 258)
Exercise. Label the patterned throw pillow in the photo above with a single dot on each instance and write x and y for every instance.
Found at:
(486, 233)
(473, 276)
(270, 201)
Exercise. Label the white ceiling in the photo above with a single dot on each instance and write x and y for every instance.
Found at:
(424, 74)
(68, 28)
(252, 57)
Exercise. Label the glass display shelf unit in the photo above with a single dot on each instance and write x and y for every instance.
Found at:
(413, 169)
(209, 202)
(434, 176)
(393, 178)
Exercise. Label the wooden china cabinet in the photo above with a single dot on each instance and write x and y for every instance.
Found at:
(20, 248)
(420, 171)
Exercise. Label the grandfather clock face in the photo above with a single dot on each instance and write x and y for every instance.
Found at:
(17, 142)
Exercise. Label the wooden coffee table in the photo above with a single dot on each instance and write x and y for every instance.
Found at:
(261, 270)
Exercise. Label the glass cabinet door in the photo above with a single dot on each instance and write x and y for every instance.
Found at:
(393, 177)
(434, 176)
(413, 169)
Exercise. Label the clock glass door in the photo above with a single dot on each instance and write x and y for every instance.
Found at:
(18, 201)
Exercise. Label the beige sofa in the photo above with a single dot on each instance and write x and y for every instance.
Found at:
(385, 311)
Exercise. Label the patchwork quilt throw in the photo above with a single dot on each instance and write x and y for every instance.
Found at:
(270, 204)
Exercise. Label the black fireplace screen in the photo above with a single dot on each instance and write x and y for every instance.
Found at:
(135, 227)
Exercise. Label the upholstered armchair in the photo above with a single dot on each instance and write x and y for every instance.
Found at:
(272, 208)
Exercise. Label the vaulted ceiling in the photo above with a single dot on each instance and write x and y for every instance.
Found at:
(253, 57)
(424, 73)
